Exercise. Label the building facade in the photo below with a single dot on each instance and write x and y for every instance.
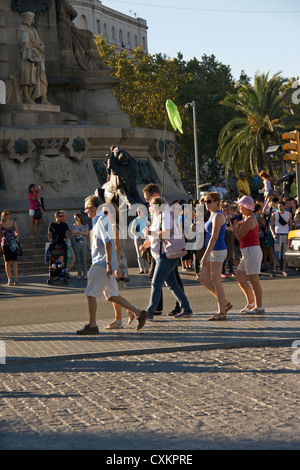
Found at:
(119, 30)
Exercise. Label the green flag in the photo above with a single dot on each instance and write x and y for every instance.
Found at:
(174, 116)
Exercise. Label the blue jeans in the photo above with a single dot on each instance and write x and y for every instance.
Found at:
(164, 272)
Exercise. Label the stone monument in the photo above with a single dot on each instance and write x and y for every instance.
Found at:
(59, 115)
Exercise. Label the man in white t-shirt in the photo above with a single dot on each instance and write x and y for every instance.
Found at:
(280, 225)
(101, 278)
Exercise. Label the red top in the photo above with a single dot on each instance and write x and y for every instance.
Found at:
(250, 239)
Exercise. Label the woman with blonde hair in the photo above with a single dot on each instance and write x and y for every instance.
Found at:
(9, 233)
(215, 255)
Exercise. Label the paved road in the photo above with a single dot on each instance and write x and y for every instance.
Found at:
(35, 302)
(220, 399)
(165, 398)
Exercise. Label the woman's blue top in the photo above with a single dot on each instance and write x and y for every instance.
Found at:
(220, 243)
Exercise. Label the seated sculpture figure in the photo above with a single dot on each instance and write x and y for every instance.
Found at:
(121, 173)
(33, 80)
(76, 45)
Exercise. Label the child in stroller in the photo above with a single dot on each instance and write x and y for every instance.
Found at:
(58, 263)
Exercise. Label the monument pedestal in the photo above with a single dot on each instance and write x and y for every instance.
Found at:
(90, 97)
(18, 114)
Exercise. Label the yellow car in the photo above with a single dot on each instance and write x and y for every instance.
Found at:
(293, 252)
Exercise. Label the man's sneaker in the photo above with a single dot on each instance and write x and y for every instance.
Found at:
(247, 308)
(87, 330)
(142, 319)
(174, 312)
(284, 273)
(184, 315)
(223, 276)
(273, 274)
(257, 310)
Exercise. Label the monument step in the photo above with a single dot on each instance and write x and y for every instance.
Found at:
(33, 259)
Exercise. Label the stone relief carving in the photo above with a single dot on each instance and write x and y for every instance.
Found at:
(77, 46)
(20, 150)
(33, 81)
(36, 6)
(53, 167)
(78, 148)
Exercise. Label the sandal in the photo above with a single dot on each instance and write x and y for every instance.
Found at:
(218, 317)
(115, 325)
(228, 307)
(130, 317)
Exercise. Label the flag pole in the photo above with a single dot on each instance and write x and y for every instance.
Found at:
(164, 161)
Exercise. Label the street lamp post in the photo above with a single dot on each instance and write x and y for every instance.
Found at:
(193, 105)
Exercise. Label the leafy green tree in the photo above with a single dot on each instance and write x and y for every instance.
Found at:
(147, 81)
(262, 113)
(207, 82)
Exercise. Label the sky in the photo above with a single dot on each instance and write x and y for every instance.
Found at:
(251, 35)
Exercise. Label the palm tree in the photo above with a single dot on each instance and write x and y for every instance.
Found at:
(262, 109)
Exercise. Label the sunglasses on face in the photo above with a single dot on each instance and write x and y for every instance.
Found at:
(208, 201)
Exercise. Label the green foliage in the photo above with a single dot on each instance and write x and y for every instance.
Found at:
(236, 122)
(263, 111)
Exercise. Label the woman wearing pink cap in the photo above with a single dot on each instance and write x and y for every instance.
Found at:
(246, 232)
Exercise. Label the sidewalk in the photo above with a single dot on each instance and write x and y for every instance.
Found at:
(53, 341)
(58, 341)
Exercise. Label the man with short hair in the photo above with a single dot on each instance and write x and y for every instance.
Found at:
(101, 278)
(58, 231)
(280, 225)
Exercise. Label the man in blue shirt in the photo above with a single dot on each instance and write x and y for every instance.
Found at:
(101, 278)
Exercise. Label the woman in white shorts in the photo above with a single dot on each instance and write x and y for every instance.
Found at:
(215, 254)
(246, 231)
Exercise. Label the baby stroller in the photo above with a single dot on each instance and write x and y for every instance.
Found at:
(58, 263)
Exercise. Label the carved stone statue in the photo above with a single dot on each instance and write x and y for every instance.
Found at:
(121, 172)
(33, 81)
(77, 46)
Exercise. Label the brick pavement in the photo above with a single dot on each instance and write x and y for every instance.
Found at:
(176, 384)
(219, 399)
(58, 341)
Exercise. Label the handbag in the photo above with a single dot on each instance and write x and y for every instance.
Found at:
(16, 248)
(174, 248)
(37, 213)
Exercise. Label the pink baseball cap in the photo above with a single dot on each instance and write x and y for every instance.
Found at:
(247, 202)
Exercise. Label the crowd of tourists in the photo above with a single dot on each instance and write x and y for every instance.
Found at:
(237, 239)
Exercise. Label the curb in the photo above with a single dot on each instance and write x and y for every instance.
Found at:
(274, 343)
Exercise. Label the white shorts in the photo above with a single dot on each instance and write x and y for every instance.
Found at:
(217, 256)
(31, 212)
(251, 260)
(99, 283)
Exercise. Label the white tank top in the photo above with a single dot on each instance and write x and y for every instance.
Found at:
(282, 229)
